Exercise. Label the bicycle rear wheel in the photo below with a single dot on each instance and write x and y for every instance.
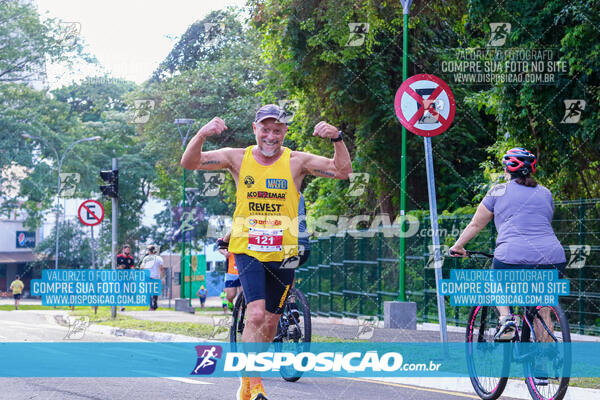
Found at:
(238, 321)
(481, 328)
(547, 371)
(294, 329)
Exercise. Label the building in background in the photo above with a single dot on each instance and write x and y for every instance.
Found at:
(16, 250)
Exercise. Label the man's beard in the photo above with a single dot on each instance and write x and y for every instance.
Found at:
(268, 154)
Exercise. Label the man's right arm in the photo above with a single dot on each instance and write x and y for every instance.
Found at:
(195, 158)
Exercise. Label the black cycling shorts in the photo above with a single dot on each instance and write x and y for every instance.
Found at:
(265, 281)
(497, 264)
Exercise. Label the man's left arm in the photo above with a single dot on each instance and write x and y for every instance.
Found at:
(338, 167)
(161, 267)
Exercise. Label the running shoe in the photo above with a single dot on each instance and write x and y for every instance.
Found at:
(507, 329)
(258, 392)
(243, 392)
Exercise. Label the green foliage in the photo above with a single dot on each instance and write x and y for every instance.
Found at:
(530, 114)
(93, 96)
(28, 43)
(74, 249)
(201, 81)
(354, 88)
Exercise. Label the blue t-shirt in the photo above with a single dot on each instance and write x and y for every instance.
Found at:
(303, 239)
(523, 219)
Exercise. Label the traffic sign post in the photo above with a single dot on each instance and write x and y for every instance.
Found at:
(425, 106)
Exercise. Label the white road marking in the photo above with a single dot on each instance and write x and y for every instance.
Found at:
(192, 381)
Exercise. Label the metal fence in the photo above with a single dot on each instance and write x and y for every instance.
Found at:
(352, 274)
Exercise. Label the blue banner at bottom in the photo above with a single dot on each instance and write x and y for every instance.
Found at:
(218, 359)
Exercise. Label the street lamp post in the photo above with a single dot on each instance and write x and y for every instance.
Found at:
(60, 162)
(184, 122)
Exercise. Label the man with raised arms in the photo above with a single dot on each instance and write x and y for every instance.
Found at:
(265, 226)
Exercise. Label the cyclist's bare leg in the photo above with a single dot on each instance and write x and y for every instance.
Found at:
(540, 332)
(230, 293)
(503, 310)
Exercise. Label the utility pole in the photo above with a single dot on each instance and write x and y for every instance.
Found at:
(112, 190)
(115, 219)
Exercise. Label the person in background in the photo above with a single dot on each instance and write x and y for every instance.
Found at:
(202, 292)
(224, 301)
(233, 286)
(153, 262)
(16, 287)
(125, 261)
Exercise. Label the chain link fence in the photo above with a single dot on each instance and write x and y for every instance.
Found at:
(351, 275)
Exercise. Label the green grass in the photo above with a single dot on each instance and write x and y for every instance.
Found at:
(331, 339)
(40, 307)
(199, 310)
(103, 317)
(590, 383)
(31, 307)
(181, 328)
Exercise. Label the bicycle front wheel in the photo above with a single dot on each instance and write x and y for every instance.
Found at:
(548, 370)
(481, 360)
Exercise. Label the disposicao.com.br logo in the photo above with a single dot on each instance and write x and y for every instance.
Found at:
(351, 362)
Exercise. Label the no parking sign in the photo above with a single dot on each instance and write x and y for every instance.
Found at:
(425, 105)
(90, 212)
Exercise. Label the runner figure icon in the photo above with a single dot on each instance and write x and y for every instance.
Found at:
(207, 359)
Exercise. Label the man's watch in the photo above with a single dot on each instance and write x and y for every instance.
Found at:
(339, 138)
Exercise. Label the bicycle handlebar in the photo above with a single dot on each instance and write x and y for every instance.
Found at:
(472, 253)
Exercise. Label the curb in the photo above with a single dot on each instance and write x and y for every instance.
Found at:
(144, 335)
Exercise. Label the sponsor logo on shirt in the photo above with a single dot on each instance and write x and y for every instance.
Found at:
(264, 207)
(266, 195)
(254, 221)
(277, 184)
(249, 181)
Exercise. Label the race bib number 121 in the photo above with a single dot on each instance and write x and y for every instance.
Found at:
(265, 239)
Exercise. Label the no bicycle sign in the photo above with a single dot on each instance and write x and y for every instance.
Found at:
(425, 105)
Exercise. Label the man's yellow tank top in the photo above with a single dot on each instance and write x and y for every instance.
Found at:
(265, 222)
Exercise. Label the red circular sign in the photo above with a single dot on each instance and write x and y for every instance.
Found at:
(90, 212)
(425, 105)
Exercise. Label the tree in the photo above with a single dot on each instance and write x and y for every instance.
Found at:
(531, 115)
(201, 80)
(74, 250)
(28, 42)
(93, 96)
(353, 87)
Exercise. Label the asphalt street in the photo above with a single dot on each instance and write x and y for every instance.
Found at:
(216, 388)
(49, 326)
